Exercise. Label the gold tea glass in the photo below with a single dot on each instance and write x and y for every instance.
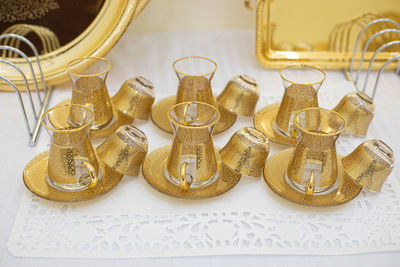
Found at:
(313, 167)
(246, 152)
(301, 83)
(240, 95)
(72, 162)
(192, 162)
(124, 151)
(89, 88)
(135, 98)
(194, 75)
(358, 110)
(370, 164)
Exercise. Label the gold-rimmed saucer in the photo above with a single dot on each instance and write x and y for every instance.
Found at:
(153, 172)
(119, 119)
(160, 118)
(264, 122)
(275, 172)
(35, 180)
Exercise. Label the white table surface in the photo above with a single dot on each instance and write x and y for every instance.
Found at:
(151, 56)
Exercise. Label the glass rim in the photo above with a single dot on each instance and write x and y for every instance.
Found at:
(255, 135)
(127, 131)
(74, 61)
(69, 130)
(215, 121)
(302, 65)
(337, 132)
(195, 75)
(389, 153)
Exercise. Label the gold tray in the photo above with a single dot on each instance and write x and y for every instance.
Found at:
(295, 31)
(96, 40)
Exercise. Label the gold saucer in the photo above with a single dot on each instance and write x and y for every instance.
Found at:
(35, 180)
(153, 172)
(119, 119)
(264, 122)
(275, 172)
(160, 118)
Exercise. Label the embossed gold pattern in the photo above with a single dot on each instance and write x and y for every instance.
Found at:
(89, 88)
(246, 152)
(358, 110)
(125, 150)
(193, 124)
(301, 84)
(370, 164)
(135, 98)
(314, 161)
(11, 10)
(240, 95)
(72, 161)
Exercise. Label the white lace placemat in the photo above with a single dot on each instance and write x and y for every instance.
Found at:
(134, 220)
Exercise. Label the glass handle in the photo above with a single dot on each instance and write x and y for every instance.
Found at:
(310, 185)
(184, 183)
(92, 173)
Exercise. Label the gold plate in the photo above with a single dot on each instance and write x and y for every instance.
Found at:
(96, 40)
(275, 172)
(119, 119)
(264, 122)
(35, 180)
(293, 31)
(153, 172)
(160, 118)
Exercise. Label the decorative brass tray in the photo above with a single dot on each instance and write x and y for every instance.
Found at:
(97, 39)
(293, 31)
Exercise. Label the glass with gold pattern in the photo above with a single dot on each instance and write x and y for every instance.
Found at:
(89, 88)
(72, 162)
(313, 167)
(301, 84)
(192, 162)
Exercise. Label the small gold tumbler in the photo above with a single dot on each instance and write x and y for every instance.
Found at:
(246, 152)
(89, 88)
(240, 95)
(313, 167)
(135, 98)
(358, 110)
(370, 164)
(124, 151)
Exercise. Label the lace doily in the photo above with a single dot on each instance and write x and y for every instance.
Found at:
(134, 220)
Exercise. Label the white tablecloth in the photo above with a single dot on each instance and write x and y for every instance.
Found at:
(151, 56)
